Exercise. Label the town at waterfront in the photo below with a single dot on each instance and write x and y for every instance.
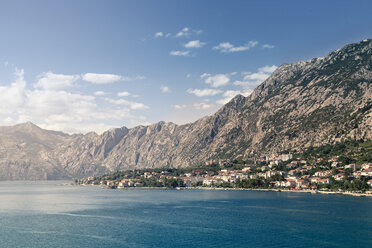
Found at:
(344, 168)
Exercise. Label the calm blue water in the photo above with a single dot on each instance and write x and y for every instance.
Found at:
(48, 214)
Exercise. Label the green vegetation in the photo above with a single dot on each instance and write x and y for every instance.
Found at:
(312, 168)
(347, 152)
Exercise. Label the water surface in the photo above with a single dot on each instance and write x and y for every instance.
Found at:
(50, 214)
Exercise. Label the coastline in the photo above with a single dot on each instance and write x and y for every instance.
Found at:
(369, 194)
(297, 191)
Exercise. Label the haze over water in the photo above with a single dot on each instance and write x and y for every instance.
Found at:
(49, 214)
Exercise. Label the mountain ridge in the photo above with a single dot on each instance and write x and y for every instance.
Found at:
(323, 100)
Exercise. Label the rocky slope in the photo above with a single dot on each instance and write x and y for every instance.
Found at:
(308, 103)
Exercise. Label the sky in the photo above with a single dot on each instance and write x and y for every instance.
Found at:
(86, 65)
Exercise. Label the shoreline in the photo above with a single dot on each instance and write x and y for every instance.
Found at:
(369, 194)
(294, 191)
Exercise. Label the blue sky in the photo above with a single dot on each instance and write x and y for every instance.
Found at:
(79, 66)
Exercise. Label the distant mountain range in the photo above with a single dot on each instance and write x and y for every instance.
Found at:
(316, 102)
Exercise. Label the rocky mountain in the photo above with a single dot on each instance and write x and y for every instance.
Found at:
(320, 101)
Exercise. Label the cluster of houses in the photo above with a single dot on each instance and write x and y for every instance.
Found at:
(297, 174)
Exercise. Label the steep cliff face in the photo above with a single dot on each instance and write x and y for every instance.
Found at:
(25, 153)
(319, 101)
(308, 103)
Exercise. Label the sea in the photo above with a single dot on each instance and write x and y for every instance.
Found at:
(58, 214)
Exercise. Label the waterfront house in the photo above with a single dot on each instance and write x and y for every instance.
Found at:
(302, 184)
(110, 183)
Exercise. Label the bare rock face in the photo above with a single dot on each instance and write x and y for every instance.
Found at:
(320, 101)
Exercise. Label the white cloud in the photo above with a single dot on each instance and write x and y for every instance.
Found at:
(204, 92)
(123, 94)
(132, 105)
(97, 78)
(13, 96)
(184, 32)
(51, 81)
(176, 106)
(202, 105)
(179, 53)
(194, 44)
(100, 93)
(159, 34)
(251, 80)
(165, 89)
(56, 108)
(217, 80)
(267, 46)
(227, 47)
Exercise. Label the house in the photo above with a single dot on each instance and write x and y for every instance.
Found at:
(286, 157)
(325, 181)
(208, 181)
(290, 183)
(335, 164)
(302, 184)
(366, 172)
(137, 184)
(147, 174)
(323, 173)
(339, 176)
(291, 165)
(292, 172)
(126, 183)
(279, 183)
(320, 180)
(367, 166)
(352, 166)
(110, 183)
(314, 179)
(357, 174)
(269, 174)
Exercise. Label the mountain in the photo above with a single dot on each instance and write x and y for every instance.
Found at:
(316, 102)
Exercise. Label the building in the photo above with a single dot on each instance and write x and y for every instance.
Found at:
(286, 157)
(352, 166)
(367, 166)
(339, 176)
(366, 172)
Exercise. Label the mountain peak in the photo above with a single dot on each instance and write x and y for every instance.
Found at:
(237, 101)
(28, 125)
